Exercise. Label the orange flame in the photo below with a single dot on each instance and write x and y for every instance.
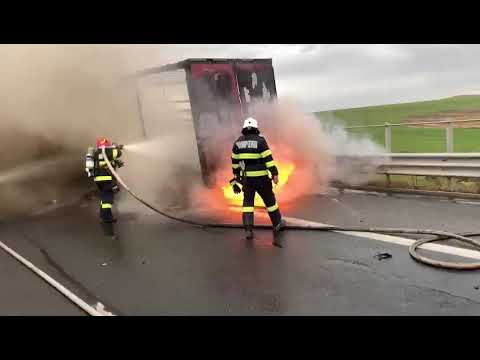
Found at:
(285, 169)
(295, 179)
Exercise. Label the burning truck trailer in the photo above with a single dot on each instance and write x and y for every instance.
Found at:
(216, 95)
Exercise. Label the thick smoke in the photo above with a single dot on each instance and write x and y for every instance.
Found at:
(320, 153)
(357, 157)
(297, 137)
(54, 102)
(165, 167)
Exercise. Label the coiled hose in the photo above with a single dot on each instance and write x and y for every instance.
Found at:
(439, 235)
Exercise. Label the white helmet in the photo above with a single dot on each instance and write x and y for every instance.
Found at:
(250, 123)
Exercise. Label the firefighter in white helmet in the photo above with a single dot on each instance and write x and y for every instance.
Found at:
(252, 162)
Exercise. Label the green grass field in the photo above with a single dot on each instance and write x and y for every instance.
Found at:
(411, 139)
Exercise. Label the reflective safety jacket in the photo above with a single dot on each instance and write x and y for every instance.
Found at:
(100, 170)
(253, 151)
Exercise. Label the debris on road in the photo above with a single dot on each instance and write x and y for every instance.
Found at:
(382, 256)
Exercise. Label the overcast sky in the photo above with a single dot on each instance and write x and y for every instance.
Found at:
(323, 77)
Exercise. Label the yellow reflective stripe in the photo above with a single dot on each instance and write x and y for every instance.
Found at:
(103, 178)
(272, 208)
(256, 173)
(235, 166)
(101, 163)
(246, 156)
(270, 164)
(266, 153)
(249, 156)
(106, 205)
(115, 153)
(247, 209)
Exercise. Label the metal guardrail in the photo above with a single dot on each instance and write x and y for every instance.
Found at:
(422, 164)
(440, 164)
(449, 165)
(414, 123)
(449, 133)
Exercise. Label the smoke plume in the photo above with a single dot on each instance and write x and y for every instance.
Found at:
(298, 138)
(54, 101)
(357, 156)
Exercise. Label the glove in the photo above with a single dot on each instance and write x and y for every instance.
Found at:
(115, 188)
(236, 189)
(119, 163)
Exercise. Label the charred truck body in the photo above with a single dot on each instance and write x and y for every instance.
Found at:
(217, 93)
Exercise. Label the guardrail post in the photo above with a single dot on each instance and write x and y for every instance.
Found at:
(449, 137)
(450, 189)
(388, 148)
(388, 137)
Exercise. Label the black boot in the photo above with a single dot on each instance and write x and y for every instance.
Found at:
(108, 229)
(248, 223)
(278, 239)
(280, 226)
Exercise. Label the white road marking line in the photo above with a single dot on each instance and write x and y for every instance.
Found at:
(461, 202)
(445, 249)
(59, 287)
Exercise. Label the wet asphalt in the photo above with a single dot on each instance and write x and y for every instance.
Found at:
(157, 267)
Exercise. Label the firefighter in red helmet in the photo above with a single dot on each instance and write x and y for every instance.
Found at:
(97, 167)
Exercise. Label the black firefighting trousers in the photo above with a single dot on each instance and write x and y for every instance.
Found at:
(106, 200)
(263, 186)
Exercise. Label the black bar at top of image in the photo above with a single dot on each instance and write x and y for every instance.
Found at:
(234, 22)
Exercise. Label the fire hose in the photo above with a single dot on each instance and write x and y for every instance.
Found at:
(438, 235)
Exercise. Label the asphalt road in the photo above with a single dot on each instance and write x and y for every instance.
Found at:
(23, 293)
(157, 267)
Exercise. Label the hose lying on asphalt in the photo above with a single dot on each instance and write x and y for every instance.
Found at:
(439, 235)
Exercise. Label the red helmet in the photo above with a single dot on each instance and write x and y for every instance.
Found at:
(103, 142)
